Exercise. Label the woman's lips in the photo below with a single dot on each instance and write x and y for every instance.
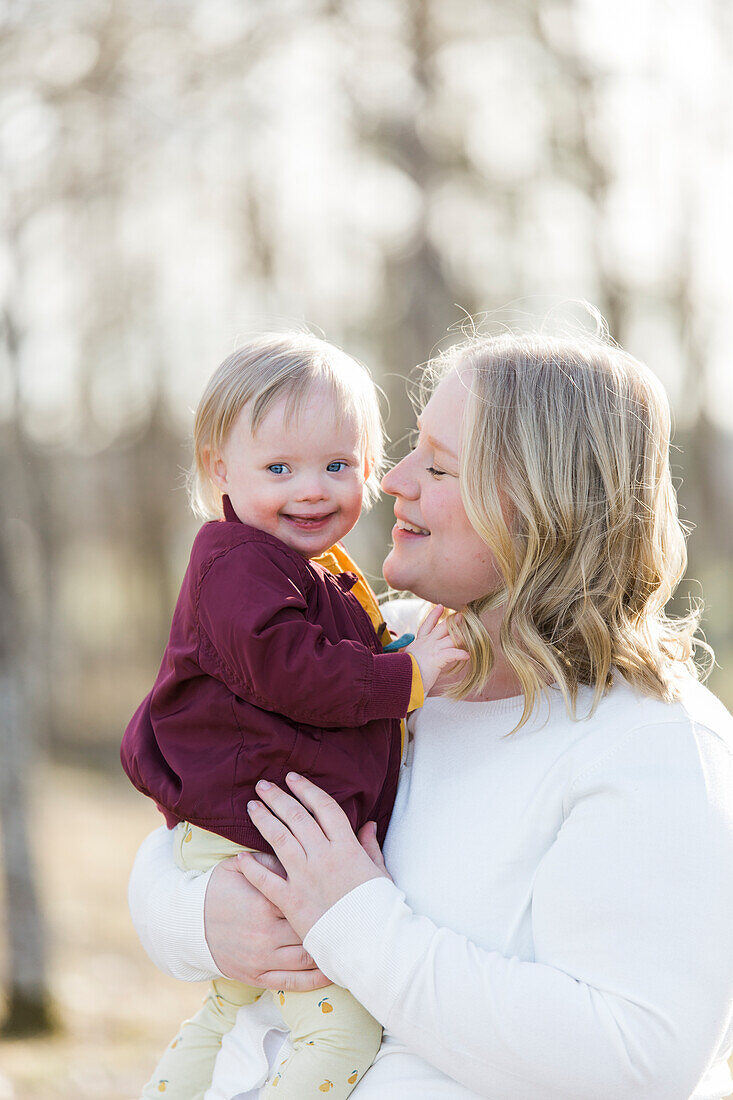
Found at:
(403, 535)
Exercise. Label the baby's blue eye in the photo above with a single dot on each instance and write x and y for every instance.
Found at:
(277, 468)
(336, 467)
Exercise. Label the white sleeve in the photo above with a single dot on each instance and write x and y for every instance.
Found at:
(631, 989)
(167, 909)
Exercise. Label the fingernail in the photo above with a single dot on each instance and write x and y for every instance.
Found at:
(252, 806)
(293, 776)
(263, 785)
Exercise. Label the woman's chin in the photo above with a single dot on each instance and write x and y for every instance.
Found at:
(402, 579)
(395, 577)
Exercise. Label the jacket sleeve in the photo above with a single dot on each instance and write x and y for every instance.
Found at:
(254, 627)
(628, 994)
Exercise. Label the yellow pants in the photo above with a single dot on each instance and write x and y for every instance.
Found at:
(334, 1038)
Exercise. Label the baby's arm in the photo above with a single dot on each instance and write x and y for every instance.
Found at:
(256, 635)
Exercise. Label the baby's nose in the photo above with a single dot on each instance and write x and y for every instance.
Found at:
(311, 489)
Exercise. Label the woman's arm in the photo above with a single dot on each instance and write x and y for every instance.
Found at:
(196, 926)
(629, 993)
(167, 910)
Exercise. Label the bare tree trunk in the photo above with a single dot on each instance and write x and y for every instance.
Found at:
(27, 999)
(28, 1006)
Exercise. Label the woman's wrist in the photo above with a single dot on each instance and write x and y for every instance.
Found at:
(353, 942)
(358, 908)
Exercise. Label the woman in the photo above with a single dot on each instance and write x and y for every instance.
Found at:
(562, 841)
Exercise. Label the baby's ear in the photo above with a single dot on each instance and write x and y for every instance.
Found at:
(368, 466)
(215, 467)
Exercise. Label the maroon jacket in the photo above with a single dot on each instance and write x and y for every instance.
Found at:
(272, 665)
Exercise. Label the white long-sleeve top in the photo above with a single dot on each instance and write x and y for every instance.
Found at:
(562, 920)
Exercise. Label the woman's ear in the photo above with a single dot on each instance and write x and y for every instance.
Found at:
(215, 467)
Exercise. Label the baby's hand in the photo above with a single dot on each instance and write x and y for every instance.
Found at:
(434, 649)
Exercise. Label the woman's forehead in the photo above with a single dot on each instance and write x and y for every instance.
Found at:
(442, 417)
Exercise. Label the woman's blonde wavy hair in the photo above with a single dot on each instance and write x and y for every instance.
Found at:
(268, 367)
(565, 476)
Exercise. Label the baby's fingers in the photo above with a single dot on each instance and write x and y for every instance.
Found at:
(448, 656)
(430, 621)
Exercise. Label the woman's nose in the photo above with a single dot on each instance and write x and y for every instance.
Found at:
(399, 482)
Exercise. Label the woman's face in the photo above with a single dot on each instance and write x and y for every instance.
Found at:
(436, 552)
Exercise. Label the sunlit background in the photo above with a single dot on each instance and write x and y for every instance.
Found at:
(175, 175)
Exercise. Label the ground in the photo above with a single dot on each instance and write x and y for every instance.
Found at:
(117, 1012)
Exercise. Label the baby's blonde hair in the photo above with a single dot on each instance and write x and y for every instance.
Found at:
(267, 368)
(565, 475)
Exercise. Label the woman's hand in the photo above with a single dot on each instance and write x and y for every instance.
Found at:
(322, 858)
(249, 938)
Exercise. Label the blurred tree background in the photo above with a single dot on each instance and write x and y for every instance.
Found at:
(175, 175)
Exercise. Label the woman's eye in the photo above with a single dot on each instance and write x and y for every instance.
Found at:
(277, 468)
(435, 472)
(336, 467)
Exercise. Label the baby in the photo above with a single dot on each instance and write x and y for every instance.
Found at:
(278, 660)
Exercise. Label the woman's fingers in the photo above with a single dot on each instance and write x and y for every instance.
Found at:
(367, 837)
(330, 817)
(293, 981)
(292, 813)
(294, 957)
(269, 884)
(278, 835)
(267, 859)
